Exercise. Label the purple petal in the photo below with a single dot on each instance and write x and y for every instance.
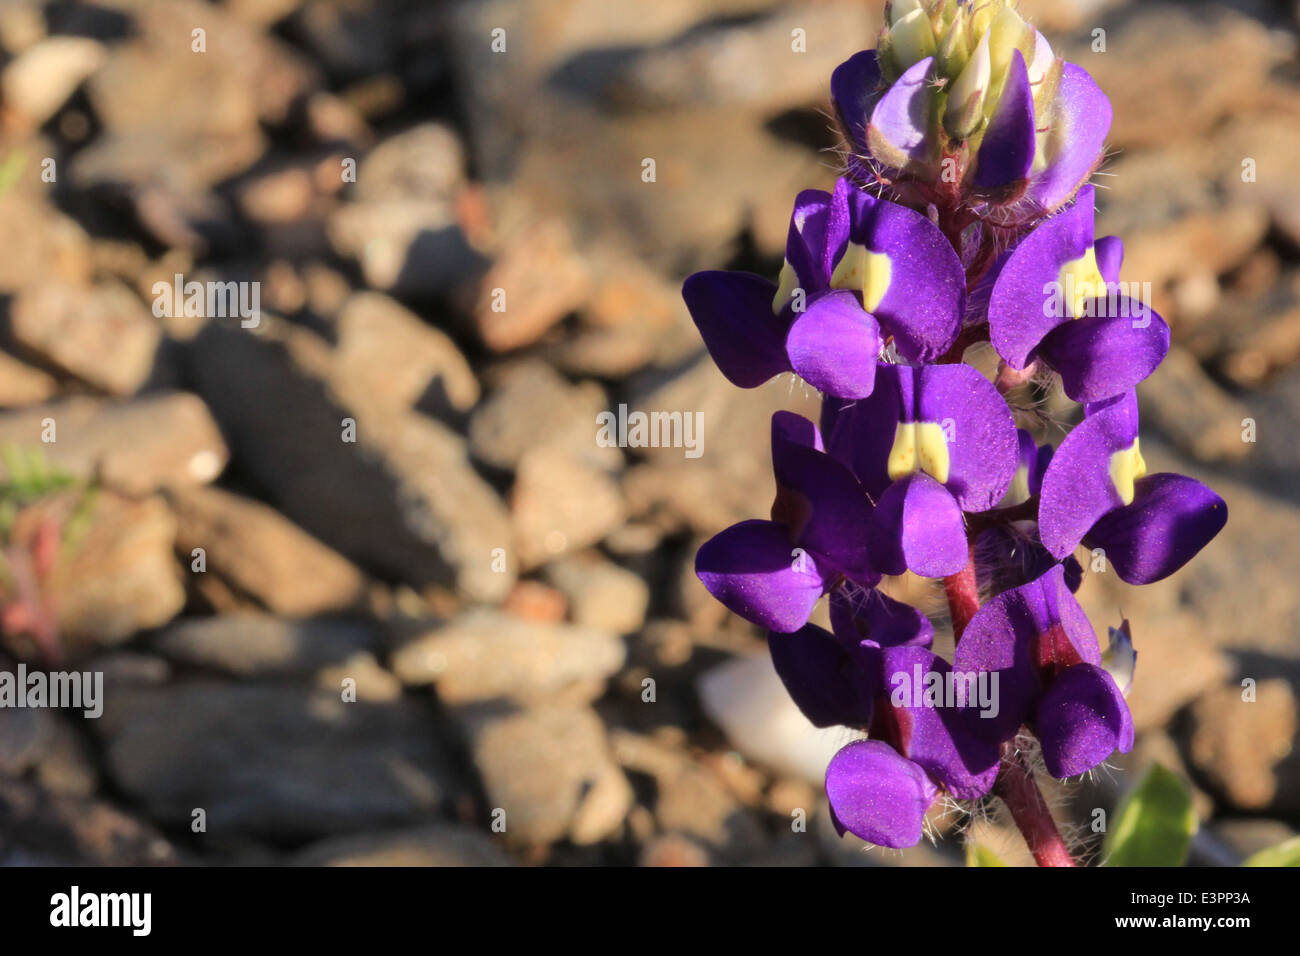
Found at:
(1110, 257)
(861, 433)
(814, 239)
(1007, 152)
(980, 430)
(828, 685)
(1078, 489)
(918, 528)
(877, 795)
(819, 501)
(754, 570)
(834, 346)
(1024, 307)
(923, 723)
(854, 86)
(733, 311)
(1102, 356)
(900, 120)
(1078, 121)
(866, 615)
(923, 304)
(1082, 720)
(1172, 517)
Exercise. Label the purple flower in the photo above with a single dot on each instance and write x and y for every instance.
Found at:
(1097, 490)
(773, 572)
(928, 444)
(858, 271)
(1038, 640)
(969, 99)
(1057, 298)
(871, 674)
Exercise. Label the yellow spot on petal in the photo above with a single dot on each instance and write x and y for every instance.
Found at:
(919, 446)
(1126, 467)
(1081, 281)
(786, 285)
(864, 271)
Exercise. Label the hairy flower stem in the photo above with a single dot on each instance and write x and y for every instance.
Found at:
(1019, 791)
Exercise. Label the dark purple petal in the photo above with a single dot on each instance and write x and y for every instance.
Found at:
(901, 117)
(733, 311)
(861, 433)
(830, 687)
(980, 430)
(814, 239)
(877, 795)
(1078, 121)
(834, 346)
(866, 615)
(1007, 151)
(1082, 719)
(922, 719)
(854, 86)
(1172, 517)
(1025, 303)
(919, 528)
(1077, 488)
(1110, 257)
(819, 501)
(1102, 356)
(922, 305)
(754, 570)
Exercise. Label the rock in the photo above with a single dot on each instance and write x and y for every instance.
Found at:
(746, 698)
(182, 120)
(425, 162)
(532, 406)
(362, 675)
(560, 504)
(25, 737)
(67, 767)
(1255, 153)
(1262, 334)
(409, 248)
(535, 601)
(486, 654)
(1153, 68)
(21, 385)
(1243, 747)
(1248, 836)
(549, 769)
(673, 850)
(718, 64)
(102, 334)
(1195, 413)
(256, 645)
(336, 766)
(259, 553)
(120, 574)
(402, 499)
(601, 594)
(537, 279)
(39, 81)
(38, 244)
(388, 351)
(41, 828)
(440, 845)
(136, 446)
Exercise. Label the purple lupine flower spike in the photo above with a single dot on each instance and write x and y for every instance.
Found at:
(1097, 491)
(968, 140)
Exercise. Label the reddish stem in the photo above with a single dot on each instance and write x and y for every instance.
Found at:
(963, 595)
(1018, 790)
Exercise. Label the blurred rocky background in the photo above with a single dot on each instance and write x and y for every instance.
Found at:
(390, 489)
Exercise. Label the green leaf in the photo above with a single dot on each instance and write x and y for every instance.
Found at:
(1154, 824)
(979, 855)
(1286, 853)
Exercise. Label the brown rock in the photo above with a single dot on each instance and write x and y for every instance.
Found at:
(102, 334)
(262, 554)
(1239, 744)
(560, 504)
(20, 384)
